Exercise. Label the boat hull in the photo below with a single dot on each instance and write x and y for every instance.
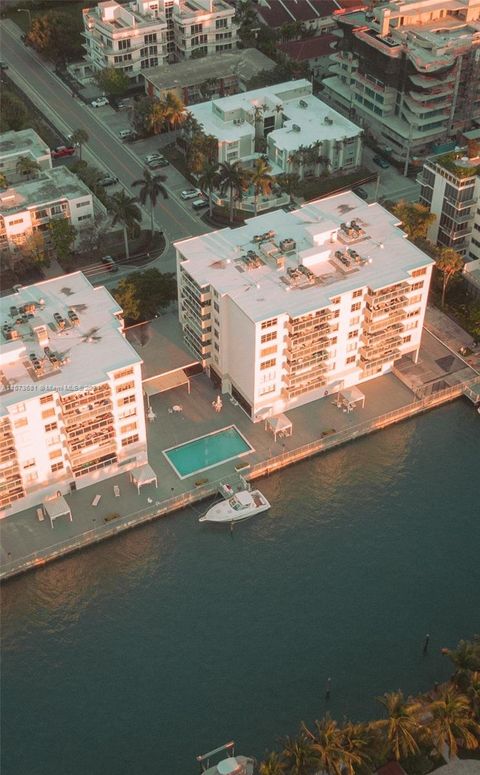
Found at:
(223, 514)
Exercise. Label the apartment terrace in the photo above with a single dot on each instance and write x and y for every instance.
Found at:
(298, 262)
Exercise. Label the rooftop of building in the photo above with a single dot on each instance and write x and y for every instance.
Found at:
(121, 17)
(22, 143)
(50, 186)
(189, 8)
(86, 343)
(341, 242)
(309, 48)
(245, 63)
(458, 164)
(305, 115)
(276, 13)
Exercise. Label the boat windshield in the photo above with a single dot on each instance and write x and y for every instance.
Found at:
(235, 503)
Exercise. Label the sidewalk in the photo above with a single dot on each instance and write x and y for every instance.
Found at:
(451, 334)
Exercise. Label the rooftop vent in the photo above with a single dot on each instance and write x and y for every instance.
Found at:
(296, 128)
(303, 104)
(328, 120)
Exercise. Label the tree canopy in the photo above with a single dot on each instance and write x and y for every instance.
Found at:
(143, 294)
(56, 36)
(113, 82)
(415, 218)
(62, 236)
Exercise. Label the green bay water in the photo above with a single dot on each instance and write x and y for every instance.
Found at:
(144, 651)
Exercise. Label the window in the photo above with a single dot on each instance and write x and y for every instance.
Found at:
(355, 307)
(333, 340)
(267, 389)
(351, 359)
(407, 339)
(17, 408)
(415, 299)
(85, 217)
(412, 324)
(268, 337)
(126, 400)
(268, 364)
(126, 386)
(413, 313)
(52, 426)
(123, 44)
(46, 399)
(353, 334)
(55, 453)
(52, 440)
(269, 323)
(130, 412)
(216, 307)
(56, 467)
(131, 426)
(357, 294)
(195, 29)
(416, 286)
(130, 440)
(221, 23)
(335, 300)
(31, 477)
(354, 321)
(268, 351)
(20, 423)
(14, 223)
(29, 463)
(151, 38)
(336, 314)
(123, 373)
(83, 204)
(419, 272)
(351, 347)
(48, 413)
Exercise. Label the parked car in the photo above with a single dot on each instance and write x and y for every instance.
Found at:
(381, 162)
(190, 193)
(152, 157)
(155, 163)
(124, 134)
(99, 102)
(361, 193)
(109, 264)
(122, 105)
(199, 204)
(3, 65)
(108, 180)
(62, 150)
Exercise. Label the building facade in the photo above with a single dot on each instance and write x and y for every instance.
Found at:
(410, 71)
(287, 123)
(28, 207)
(149, 33)
(293, 306)
(450, 188)
(25, 143)
(71, 392)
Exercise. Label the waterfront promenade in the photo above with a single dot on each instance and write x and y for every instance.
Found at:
(317, 426)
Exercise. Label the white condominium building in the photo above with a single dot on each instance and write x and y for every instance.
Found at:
(25, 143)
(27, 208)
(297, 131)
(292, 306)
(410, 71)
(71, 392)
(450, 188)
(148, 33)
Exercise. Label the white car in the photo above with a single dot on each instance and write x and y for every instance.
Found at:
(152, 157)
(190, 193)
(100, 102)
(199, 204)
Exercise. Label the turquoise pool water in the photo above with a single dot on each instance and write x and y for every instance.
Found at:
(207, 451)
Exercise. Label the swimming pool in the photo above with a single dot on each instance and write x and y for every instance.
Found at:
(207, 451)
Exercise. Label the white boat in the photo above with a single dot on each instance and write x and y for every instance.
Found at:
(240, 506)
(233, 765)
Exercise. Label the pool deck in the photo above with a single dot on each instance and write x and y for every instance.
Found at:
(317, 426)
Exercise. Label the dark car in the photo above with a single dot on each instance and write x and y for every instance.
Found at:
(109, 264)
(108, 180)
(156, 163)
(381, 162)
(3, 65)
(62, 150)
(361, 193)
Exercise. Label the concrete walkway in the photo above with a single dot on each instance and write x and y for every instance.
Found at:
(451, 334)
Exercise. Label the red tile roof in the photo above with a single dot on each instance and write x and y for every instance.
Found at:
(279, 12)
(301, 50)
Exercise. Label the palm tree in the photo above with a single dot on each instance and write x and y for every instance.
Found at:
(79, 137)
(272, 765)
(125, 210)
(174, 110)
(361, 746)
(157, 117)
(402, 727)
(27, 167)
(473, 693)
(449, 263)
(261, 179)
(466, 658)
(3, 181)
(151, 187)
(232, 178)
(298, 755)
(326, 742)
(452, 722)
(208, 181)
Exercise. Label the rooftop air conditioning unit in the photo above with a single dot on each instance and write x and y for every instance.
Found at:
(296, 128)
(328, 120)
(303, 104)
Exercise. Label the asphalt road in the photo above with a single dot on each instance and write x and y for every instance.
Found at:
(30, 73)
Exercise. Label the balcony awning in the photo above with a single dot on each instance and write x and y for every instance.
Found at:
(353, 396)
(143, 475)
(57, 507)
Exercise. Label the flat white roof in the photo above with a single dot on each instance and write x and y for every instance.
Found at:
(384, 256)
(24, 142)
(86, 352)
(309, 117)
